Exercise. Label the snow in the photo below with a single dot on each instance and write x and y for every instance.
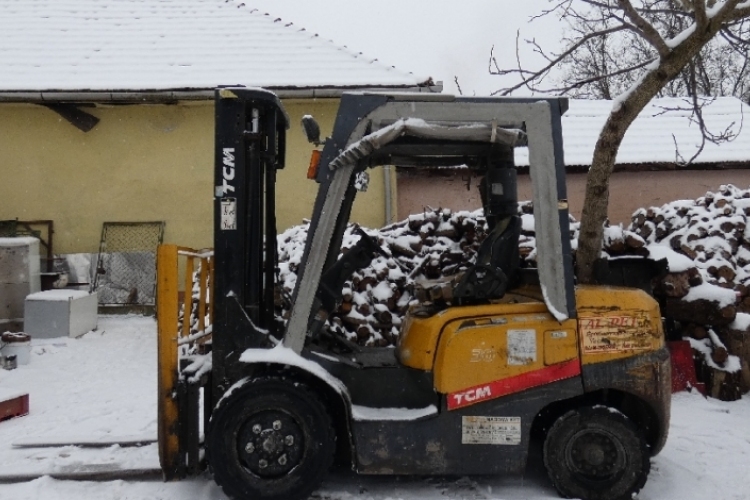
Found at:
(706, 291)
(284, 356)
(366, 413)
(680, 38)
(103, 386)
(172, 44)
(650, 138)
(741, 322)
(382, 291)
(58, 295)
(676, 261)
(19, 241)
(8, 394)
(704, 347)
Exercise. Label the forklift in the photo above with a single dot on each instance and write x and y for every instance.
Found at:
(510, 352)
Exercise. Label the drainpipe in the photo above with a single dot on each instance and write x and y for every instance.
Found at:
(388, 194)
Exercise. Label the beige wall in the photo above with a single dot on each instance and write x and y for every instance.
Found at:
(629, 190)
(140, 163)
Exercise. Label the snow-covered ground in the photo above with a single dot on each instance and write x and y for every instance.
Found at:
(103, 386)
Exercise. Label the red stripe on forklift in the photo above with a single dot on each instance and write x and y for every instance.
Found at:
(511, 385)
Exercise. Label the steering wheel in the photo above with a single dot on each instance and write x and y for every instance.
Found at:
(370, 242)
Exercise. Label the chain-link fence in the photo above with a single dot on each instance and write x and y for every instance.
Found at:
(126, 264)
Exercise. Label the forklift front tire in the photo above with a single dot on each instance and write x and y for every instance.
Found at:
(596, 454)
(271, 439)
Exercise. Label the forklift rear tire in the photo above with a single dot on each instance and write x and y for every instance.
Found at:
(596, 454)
(270, 439)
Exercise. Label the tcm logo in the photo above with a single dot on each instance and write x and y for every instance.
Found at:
(228, 170)
(471, 396)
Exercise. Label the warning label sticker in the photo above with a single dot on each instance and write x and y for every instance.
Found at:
(521, 347)
(615, 333)
(491, 430)
(228, 214)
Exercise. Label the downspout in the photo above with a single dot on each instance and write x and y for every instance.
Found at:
(388, 195)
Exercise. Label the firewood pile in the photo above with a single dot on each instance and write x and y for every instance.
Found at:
(426, 246)
(433, 245)
(706, 294)
(709, 299)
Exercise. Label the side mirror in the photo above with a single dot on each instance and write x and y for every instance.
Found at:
(312, 130)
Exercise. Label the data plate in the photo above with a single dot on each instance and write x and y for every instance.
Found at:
(521, 347)
(228, 214)
(491, 430)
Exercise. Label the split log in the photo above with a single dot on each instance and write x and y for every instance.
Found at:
(700, 311)
(698, 332)
(738, 344)
(675, 285)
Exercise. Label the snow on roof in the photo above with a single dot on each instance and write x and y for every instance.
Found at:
(650, 138)
(130, 45)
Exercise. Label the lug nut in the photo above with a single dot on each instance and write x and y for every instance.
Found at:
(262, 463)
(289, 440)
(276, 425)
(257, 428)
(282, 460)
(250, 447)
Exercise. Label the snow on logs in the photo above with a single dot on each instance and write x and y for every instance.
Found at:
(710, 300)
(706, 293)
(425, 246)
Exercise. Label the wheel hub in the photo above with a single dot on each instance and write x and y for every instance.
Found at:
(595, 455)
(270, 443)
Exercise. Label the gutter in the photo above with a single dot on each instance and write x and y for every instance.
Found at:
(173, 96)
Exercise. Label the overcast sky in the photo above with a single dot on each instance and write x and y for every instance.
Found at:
(439, 38)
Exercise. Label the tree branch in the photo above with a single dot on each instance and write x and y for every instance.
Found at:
(552, 63)
(645, 28)
(581, 83)
(699, 6)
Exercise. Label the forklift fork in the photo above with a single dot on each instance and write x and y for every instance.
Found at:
(184, 320)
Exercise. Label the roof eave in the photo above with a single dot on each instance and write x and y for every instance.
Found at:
(174, 95)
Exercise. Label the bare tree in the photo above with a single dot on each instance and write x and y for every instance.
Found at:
(601, 67)
(632, 51)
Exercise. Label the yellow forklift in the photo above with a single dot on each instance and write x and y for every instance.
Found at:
(509, 353)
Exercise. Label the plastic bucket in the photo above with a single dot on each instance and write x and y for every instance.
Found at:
(18, 344)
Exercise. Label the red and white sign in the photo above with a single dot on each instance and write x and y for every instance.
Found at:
(511, 385)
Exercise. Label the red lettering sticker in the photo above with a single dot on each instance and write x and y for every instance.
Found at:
(512, 385)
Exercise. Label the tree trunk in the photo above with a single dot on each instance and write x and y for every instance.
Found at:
(596, 198)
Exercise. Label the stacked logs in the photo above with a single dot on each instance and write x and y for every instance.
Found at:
(435, 244)
(704, 297)
(708, 301)
(425, 246)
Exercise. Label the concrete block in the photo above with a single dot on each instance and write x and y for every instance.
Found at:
(60, 313)
(12, 297)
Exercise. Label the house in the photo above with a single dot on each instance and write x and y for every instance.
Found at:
(106, 110)
(649, 169)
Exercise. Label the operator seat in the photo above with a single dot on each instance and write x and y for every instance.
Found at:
(497, 264)
(500, 248)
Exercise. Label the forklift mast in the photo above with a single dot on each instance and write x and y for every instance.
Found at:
(250, 142)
